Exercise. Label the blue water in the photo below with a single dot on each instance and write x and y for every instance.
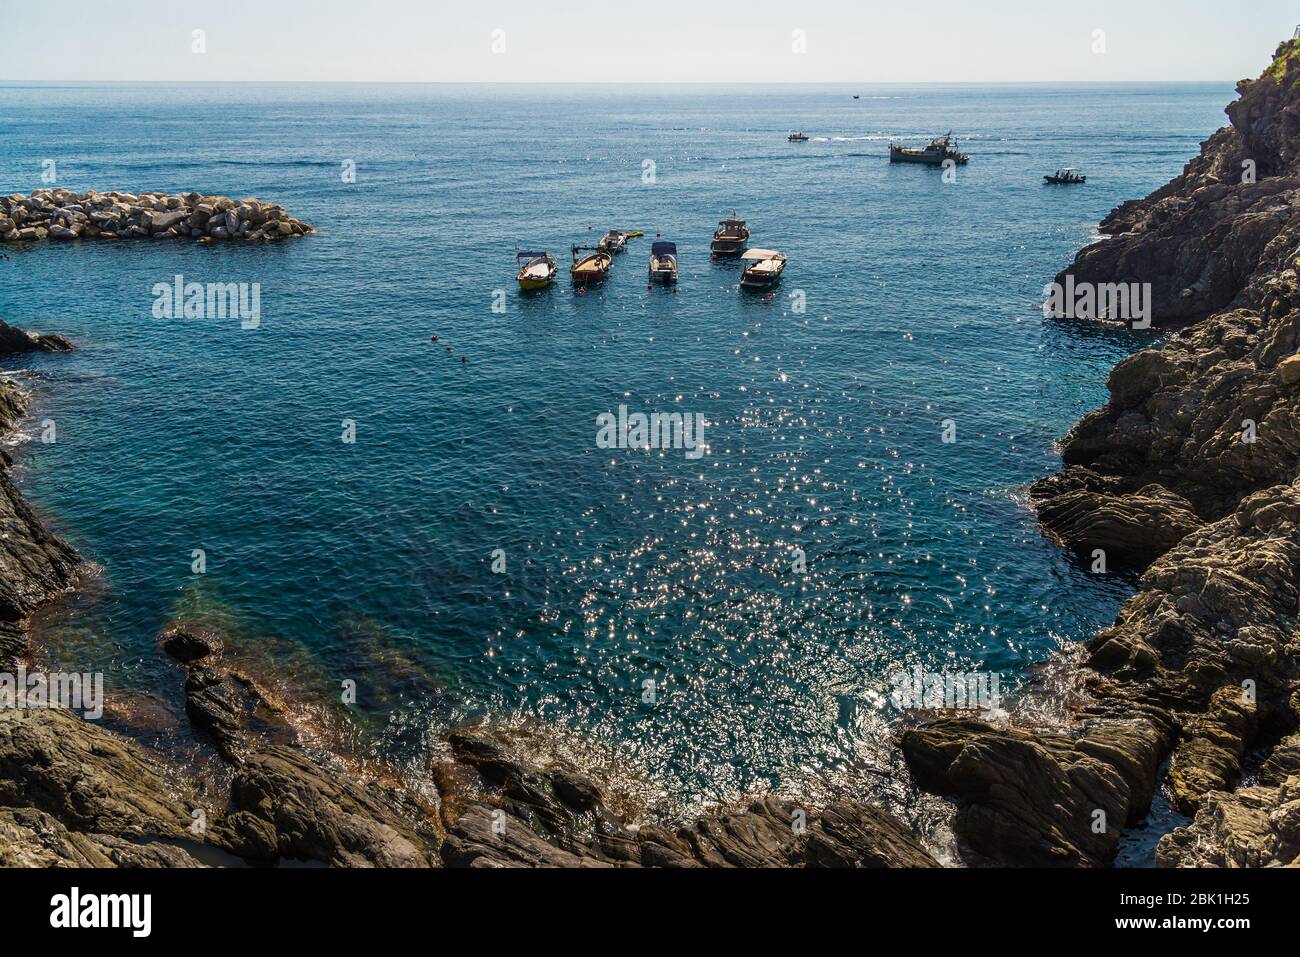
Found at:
(372, 561)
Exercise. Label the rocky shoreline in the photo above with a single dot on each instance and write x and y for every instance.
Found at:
(1189, 476)
(60, 214)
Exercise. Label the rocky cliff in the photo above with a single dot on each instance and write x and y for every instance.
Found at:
(1189, 476)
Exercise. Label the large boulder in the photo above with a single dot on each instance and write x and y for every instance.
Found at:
(15, 341)
(286, 805)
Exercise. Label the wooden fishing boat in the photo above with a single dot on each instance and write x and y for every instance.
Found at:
(536, 270)
(614, 241)
(591, 268)
(730, 237)
(937, 153)
(1066, 176)
(663, 262)
(764, 269)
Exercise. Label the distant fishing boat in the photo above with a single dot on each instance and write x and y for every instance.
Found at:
(856, 97)
(592, 268)
(663, 262)
(614, 241)
(764, 269)
(730, 237)
(798, 138)
(1066, 176)
(536, 270)
(936, 154)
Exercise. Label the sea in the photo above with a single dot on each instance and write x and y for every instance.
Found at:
(390, 490)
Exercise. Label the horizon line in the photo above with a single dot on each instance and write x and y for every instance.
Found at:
(634, 82)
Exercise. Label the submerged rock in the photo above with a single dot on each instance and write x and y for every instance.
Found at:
(222, 703)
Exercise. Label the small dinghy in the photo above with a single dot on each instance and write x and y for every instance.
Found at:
(614, 241)
(663, 263)
(536, 270)
(1066, 176)
(592, 268)
(764, 269)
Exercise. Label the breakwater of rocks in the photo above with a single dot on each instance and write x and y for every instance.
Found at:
(64, 215)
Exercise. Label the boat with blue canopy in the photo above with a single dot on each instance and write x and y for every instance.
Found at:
(663, 262)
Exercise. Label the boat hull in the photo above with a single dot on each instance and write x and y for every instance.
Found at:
(531, 284)
(728, 247)
(760, 280)
(929, 159)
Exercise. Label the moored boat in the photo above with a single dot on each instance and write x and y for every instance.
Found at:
(764, 268)
(730, 237)
(937, 153)
(614, 241)
(591, 268)
(663, 262)
(536, 269)
(1066, 176)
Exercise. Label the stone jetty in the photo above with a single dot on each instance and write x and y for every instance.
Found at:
(64, 215)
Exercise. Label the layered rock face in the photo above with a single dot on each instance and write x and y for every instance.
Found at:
(1189, 476)
(34, 564)
(62, 215)
(1214, 237)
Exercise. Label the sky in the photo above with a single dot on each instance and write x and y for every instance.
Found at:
(746, 41)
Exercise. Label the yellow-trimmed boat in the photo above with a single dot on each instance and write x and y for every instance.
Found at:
(536, 270)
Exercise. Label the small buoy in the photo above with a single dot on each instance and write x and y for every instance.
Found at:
(433, 338)
(649, 285)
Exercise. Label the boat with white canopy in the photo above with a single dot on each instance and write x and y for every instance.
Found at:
(763, 269)
(536, 269)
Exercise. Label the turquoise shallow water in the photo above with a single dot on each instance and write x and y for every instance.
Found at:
(372, 561)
